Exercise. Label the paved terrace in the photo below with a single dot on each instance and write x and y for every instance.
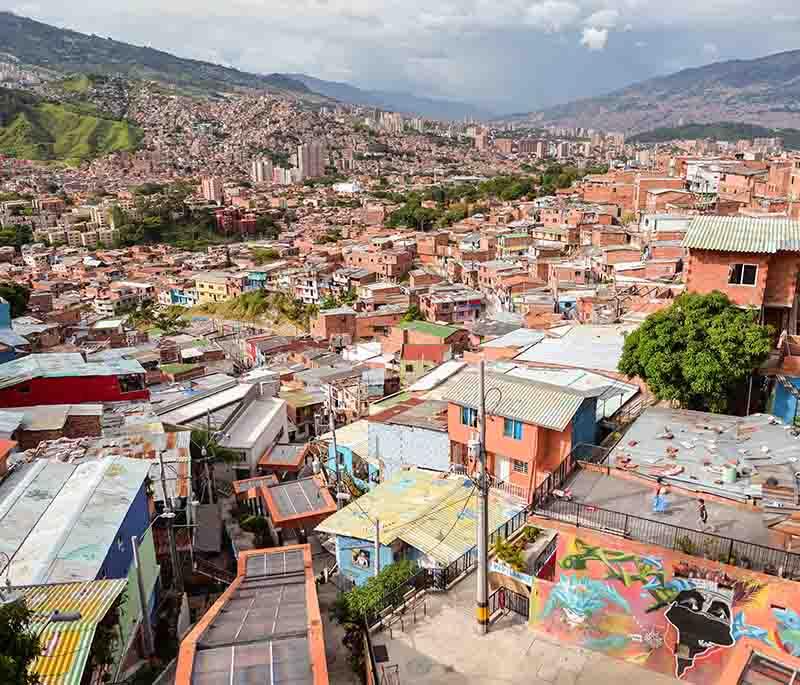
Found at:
(635, 497)
(444, 648)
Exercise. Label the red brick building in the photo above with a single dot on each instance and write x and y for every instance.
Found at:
(755, 262)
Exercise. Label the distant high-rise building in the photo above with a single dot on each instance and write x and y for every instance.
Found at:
(392, 122)
(211, 187)
(482, 140)
(311, 159)
(261, 170)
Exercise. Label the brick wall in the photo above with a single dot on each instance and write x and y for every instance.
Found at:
(79, 426)
(708, 271)
(782, 279)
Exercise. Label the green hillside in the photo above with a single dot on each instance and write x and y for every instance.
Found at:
(723, 130)
(31, 128)
(62, 50)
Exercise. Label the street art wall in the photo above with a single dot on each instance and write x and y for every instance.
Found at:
(697, 620)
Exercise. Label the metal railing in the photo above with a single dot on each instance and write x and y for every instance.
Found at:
(398, 596)
(504, 599)
(443, 578)
(696, 543)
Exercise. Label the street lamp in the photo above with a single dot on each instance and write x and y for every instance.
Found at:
(8, 595)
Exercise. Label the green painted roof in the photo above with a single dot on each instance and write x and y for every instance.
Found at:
(743, 234)
(437, 329)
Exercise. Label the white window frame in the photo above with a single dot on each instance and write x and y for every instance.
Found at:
(743, 265)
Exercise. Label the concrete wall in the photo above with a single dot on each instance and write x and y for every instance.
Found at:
(397, 446)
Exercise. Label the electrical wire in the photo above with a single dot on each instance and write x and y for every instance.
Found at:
(458, 518)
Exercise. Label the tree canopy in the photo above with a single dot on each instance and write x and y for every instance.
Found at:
(20, 646)
(17, 297)
(698, 351)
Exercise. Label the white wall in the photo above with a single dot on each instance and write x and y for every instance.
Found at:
(397, 446)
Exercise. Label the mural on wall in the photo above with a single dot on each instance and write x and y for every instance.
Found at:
(361, 558)
(677, 617)
(702, 618)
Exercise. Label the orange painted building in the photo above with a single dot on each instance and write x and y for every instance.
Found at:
(531, 427)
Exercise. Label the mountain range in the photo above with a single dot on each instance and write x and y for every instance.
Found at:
(52, 49)
(406, 103)
(763, 91)
(63, 51)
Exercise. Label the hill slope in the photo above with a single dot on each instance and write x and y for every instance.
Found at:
(41, 45)
(397, 102)
(762, 91)
(31, 128)
(723, 130)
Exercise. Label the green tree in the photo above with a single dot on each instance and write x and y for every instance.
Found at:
(264, 256)
(20, 646)
(17, 297)
(414, 313)
(698, 351)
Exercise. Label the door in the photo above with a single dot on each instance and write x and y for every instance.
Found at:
(504, 468)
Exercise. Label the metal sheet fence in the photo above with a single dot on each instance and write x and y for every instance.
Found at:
(692, 542)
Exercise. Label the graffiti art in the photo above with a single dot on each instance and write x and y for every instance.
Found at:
(788, 629)
(702, 618)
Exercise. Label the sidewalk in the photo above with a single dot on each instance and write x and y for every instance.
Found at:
(445, 649)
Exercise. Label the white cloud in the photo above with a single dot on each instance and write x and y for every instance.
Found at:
(640, 44)
(603, 19)
(710, 50)
(594, 39)
(551, 15)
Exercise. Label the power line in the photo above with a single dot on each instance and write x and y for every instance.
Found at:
(458, 518)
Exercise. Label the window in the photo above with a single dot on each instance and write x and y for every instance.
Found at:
(512, 429)
(763, 671)
(25, 387)
(742, 274)
(520, 466)
(409, 368)
(469, 417)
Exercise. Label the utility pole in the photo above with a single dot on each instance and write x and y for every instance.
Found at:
(332, 424)
(204, 454)
(147, 630)
(173, 549)
(482, 599)
(377, 546)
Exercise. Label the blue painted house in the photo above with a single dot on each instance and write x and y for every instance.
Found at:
(420, 515)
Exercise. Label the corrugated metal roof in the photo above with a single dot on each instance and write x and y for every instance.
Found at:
(66, 646)
(743, 234)
(420, 507)
(541, 404)
(61, 365)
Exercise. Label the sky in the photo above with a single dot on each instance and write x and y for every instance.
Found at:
(504, 55)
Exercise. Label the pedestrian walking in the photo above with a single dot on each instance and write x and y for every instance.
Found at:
(702, 513)
(660, 500)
